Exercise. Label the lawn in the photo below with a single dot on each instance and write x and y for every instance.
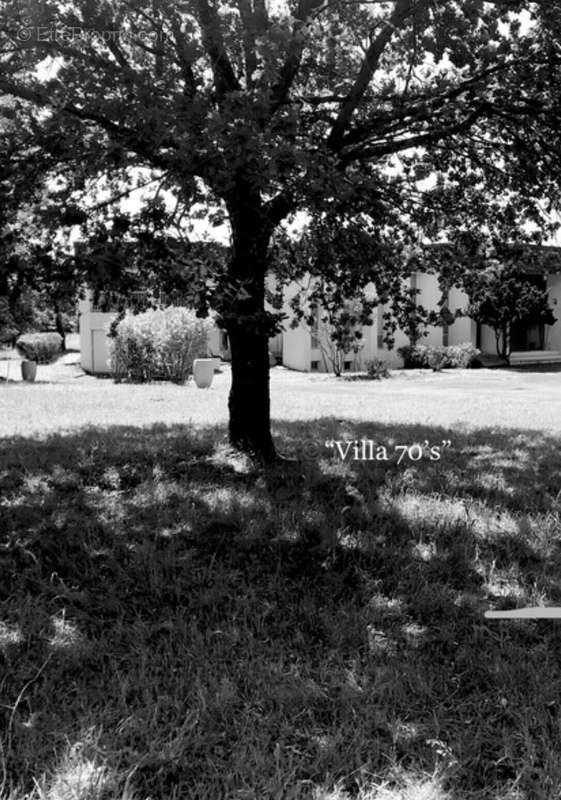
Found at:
(65, 399)
(177, 623)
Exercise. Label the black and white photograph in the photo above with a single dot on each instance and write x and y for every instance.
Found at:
(280, 400)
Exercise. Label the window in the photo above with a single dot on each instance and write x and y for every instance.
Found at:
(445, 335)
(314, 366)
(347, 365)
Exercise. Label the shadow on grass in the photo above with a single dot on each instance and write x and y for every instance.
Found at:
(177, 623)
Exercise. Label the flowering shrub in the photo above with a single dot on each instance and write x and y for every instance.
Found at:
(44, 348)
(462, 355)
(438, 357)
(158, 345)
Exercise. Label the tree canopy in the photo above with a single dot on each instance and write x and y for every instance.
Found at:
(256, 110)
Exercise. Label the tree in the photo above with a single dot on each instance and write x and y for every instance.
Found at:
(500, 296)
(38, 286)
(257, 112)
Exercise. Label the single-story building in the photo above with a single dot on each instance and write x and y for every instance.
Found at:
(308, 348)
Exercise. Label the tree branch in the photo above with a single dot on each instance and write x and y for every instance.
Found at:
(185, 61)
(280, 207)
(248, 25)
(423, 108)
(225, 79)
(419, 140)
(402, 10)
(289, 69)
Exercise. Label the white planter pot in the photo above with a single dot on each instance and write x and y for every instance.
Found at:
(203, 370)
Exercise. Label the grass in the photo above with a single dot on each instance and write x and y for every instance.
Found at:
(65, 399)
(178, 624)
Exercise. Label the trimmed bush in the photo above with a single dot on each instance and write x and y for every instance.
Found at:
(44, 348)
(437, 357)
(158, 345)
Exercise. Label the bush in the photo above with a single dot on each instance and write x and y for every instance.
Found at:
(158, 345)
(414, 356)
(462, 355)
(376, 369)
(44, 348)
(437, 357)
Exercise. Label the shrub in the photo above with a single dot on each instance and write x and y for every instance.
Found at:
(462, 355)
(413, 356)
(376, 369)
(158, 345)
(437, 357)
(41, 347)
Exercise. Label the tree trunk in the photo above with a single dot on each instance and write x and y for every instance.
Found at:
(249, 327)
(501, 337)
(249, 401)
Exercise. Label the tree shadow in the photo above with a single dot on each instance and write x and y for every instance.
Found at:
(179, 620)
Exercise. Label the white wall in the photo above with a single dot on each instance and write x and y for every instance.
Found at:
(463, 329)
(296, 352)
(94, 342)
(296, 342)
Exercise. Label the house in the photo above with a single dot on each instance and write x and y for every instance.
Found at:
(307, 349)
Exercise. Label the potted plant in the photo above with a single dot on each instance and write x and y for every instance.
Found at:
(34, 348)
(29, 360)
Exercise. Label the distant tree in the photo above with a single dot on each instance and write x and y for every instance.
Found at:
(38, 285)
(500, 296)
(254, 112)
